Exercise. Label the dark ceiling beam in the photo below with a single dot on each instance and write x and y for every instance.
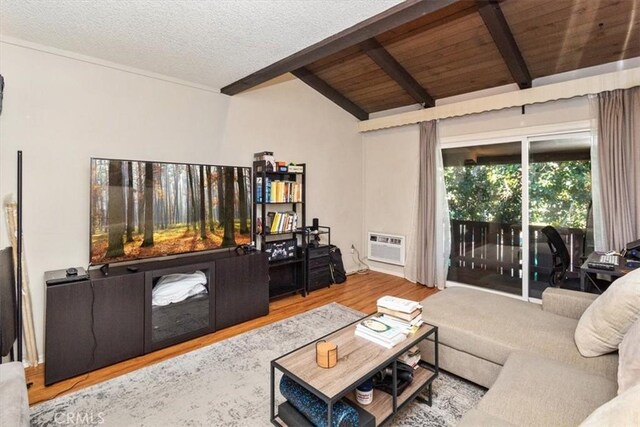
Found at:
(397, 72)
(503, 38)
(369, 28)
(325, 89)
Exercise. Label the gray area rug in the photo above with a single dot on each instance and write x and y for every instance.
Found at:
(227, 384)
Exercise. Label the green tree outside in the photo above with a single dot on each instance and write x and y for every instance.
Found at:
(559, 193)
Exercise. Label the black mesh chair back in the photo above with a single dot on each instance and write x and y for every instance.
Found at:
(561, 257)
(7, 302)
(588, 244)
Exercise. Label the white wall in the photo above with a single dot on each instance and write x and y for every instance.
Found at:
(391, 170)
(391, 162)
(301, 125)
(62, 111)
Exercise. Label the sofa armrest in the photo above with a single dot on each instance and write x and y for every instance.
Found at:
(13, 395)
(565, 302)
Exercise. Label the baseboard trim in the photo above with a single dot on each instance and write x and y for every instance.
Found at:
(385, 271)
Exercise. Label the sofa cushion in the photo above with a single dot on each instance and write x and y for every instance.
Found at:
(461, 363)
(629, 366)
(606, 321)
(492, 326)
(624, 410)
(566, 302)
(476, 418)
(535, 391)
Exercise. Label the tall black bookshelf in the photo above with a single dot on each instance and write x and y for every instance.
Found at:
(286, 275)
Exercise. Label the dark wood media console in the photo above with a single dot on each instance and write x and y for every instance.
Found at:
(106, 319)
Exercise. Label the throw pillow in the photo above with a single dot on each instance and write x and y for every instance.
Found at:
(620, 411)
(605, 322)
(629, 362)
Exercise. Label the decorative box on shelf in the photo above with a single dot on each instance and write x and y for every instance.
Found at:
(268, 159)
(295, 168)
(281, 249)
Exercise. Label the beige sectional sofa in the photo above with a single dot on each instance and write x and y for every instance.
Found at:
(525, 353)
(14, 401)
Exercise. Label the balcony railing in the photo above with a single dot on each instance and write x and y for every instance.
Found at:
(496, 248)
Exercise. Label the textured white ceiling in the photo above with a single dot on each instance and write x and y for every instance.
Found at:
(209, 42)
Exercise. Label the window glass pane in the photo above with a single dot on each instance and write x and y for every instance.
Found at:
(559, 197)
(484, 190)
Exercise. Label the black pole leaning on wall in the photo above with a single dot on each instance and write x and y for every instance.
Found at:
(19, 261)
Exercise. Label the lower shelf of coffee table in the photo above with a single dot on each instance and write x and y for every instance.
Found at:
(382, 406)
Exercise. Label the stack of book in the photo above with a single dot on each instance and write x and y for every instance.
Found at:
(278, 191)
(401, 313)
(411, 357)
(281, 222)
(380, 333)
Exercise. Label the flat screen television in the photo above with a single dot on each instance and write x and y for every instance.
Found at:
(142, 209)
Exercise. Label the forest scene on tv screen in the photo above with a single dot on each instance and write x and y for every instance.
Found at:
(148, 209)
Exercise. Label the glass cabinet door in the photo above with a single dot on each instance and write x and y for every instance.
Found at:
(179, 304)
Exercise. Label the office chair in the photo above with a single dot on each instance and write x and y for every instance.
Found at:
(560, 254)
(588, 244)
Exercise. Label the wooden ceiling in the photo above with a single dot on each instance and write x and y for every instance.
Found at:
(423, 50)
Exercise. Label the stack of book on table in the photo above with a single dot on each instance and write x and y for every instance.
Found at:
(396, 318)
(401, 313)
(378, 332)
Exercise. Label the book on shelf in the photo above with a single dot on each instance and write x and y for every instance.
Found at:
(259, 189)
(381, 333)
(269, 221)
(281, 222)
(277, 191)
(272, 190)
(274, 222)
(398, 304)
(411, 357)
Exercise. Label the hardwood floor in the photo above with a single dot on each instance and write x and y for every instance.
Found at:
(359, 292)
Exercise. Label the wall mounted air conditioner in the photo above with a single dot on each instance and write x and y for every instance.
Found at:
(387, 248)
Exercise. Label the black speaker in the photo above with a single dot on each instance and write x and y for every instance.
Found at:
(315, 224)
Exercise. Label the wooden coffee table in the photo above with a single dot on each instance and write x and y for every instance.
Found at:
(358, 360)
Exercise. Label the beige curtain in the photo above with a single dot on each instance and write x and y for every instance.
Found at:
(432, 233)
(619, 166)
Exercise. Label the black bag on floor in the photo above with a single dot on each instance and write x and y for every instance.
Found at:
(338, 273)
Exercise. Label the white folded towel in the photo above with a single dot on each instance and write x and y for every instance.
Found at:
(178, 287)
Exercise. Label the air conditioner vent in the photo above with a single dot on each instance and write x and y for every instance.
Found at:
(386, 248)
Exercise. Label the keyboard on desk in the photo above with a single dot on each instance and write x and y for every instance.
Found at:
(605, 262)
(608, 259)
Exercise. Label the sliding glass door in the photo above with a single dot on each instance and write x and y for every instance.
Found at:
(484, 189)
(559, 197)
(495, 190)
